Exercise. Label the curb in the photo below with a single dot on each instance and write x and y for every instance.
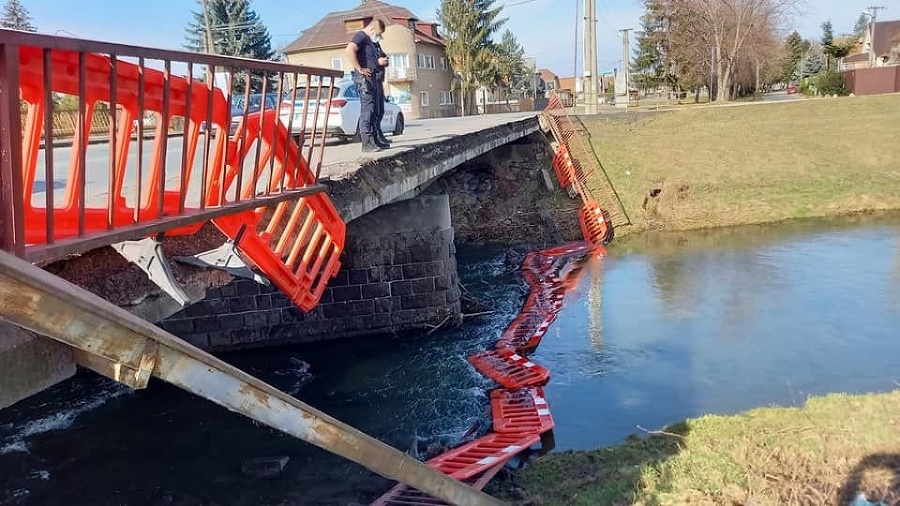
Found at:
(64, 143)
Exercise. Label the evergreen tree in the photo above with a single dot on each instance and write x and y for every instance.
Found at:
(16, 17)
(468, 27)
(794, 50)
(647, 66)
(834, 50)
(236, 30)
(812, 62)
(827, 42)
(511, 61)
(670, 52)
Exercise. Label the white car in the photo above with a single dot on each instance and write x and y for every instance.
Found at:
(343, 118)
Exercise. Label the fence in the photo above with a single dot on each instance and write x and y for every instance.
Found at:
(873, 81)
(243, 171)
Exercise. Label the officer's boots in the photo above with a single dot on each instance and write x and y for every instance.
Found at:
(369, 144)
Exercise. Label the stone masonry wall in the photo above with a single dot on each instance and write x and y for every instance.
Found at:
(389, 282)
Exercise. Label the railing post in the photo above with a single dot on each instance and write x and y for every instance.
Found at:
(12, 227)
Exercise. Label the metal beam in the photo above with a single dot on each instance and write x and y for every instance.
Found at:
(129, 349)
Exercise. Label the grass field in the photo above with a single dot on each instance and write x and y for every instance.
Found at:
(720, 166)
(823, 453)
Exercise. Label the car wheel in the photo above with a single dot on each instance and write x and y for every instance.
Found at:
(399, 125)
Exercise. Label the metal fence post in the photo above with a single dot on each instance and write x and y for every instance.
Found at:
(12, 231)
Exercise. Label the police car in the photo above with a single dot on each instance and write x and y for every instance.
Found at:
(342, 120)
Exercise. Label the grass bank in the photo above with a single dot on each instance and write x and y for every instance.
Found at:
(823, 453)
(721, 166)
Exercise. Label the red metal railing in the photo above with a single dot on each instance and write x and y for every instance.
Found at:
(184, 145)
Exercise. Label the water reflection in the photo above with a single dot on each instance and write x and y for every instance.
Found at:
(895, 277)
(595, 302)
(721, 322)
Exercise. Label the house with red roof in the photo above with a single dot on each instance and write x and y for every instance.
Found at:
(419, 78)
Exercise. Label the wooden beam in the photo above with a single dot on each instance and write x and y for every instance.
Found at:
(127, 347)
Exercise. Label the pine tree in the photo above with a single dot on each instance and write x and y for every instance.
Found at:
(236, 31)
(812, 62)
(647, 66)
(794, 50)
(16, 17)
(468, 27)
(511, 60)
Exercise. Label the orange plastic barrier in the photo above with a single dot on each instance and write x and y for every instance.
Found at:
(484, 453)
(594, 225)
(296, 243)
(575, 165)
(520, 413)
(510, 369)
(98, 77)
(562, 165)
(517, 411)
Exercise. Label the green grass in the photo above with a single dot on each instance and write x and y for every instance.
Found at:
(721, 166)
(822, 453)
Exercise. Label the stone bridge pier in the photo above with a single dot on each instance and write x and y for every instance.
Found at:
(398, 273)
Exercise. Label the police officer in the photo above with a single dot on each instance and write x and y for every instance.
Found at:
(380, 138)
(366, 60)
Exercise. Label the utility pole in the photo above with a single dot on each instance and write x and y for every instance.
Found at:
(575, 66)
(626, 63)
(210, 48)
(712, 71)
(590, 56)
(873, 13)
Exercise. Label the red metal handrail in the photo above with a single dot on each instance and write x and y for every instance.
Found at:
(129, 82)
(243, 173)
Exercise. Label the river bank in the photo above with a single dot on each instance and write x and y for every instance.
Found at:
(723, 167)
(825, 452)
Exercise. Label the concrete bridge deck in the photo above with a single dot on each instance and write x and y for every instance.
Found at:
(361, 182)
(341, 157)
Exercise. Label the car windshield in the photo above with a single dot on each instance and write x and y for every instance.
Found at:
(315, 93)
(255, 103)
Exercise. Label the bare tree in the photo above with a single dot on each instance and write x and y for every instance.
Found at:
(730, 25)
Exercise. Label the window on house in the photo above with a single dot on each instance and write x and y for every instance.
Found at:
(398, 61)
(423, 98)
(446, 98)
(426, 61)
(444, 65)
(337, 64)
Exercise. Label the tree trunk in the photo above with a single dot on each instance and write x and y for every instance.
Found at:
(725, 92)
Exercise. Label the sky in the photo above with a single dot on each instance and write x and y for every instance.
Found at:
(545, 28)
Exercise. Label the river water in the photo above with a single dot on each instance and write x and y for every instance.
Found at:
(665, 327)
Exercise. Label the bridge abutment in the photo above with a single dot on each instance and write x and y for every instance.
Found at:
(398, 274)
(30, 363)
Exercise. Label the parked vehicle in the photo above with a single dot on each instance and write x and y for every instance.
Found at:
(791, 89)
(342, 121)
(254, 105)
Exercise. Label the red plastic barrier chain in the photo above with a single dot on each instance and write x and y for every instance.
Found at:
(520, 412)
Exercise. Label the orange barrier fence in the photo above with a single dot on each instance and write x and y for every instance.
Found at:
(520, 411)
(576, 165)
(241, 170)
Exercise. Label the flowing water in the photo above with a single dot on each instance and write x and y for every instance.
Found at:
(665, 327)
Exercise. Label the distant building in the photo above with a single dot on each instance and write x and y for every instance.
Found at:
(419, 78)
(886, 50)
